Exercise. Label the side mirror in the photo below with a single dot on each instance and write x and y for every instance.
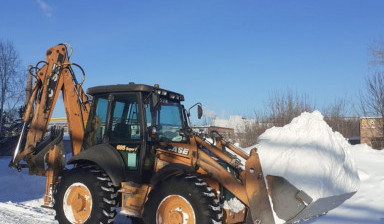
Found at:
(199, 111)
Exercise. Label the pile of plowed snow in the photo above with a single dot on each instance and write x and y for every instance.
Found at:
(309, 155)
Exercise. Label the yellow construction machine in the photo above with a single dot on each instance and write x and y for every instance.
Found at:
(133, 148)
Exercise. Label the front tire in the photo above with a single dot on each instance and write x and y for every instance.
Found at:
(86, 195)
(182, 199)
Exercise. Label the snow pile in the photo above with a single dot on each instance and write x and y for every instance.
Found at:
(234, 205)
(309, 155)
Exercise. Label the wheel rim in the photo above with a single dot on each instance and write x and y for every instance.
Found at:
(175, 209)
(77, 203)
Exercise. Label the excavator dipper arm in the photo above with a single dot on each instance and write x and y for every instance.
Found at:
(55, 77)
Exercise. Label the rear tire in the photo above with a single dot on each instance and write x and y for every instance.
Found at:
(182, 199)
(86, 195)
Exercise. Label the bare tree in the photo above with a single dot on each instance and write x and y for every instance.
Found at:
(252, 130)
(11, 82)
(338, 116)
(377, 53)
(283, 107)
(372, 94)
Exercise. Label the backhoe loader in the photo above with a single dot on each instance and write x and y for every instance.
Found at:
(133, 148)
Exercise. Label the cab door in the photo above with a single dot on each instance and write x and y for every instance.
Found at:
(125, 131)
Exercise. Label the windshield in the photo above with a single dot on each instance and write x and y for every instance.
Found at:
(170, 122)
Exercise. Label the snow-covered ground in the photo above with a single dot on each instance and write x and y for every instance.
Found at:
(21, 195)
(367, 205)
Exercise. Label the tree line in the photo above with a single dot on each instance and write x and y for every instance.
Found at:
(281, 107)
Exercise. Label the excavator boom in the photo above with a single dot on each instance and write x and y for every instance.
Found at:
(54, 77)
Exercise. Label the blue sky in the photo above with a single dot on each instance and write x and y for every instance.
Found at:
(229, 55)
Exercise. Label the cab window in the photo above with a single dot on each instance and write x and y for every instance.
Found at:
(125, 126)
(96, 124)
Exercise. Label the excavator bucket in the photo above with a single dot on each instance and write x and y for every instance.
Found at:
(294, 205)
(288, 202)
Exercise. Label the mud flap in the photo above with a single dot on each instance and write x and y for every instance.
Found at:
(259, 204)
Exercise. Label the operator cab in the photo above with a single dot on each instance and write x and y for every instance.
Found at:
(131, 119)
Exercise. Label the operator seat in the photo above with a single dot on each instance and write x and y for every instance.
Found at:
(122, 132)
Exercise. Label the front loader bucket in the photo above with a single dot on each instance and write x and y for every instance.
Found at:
(294, 205)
